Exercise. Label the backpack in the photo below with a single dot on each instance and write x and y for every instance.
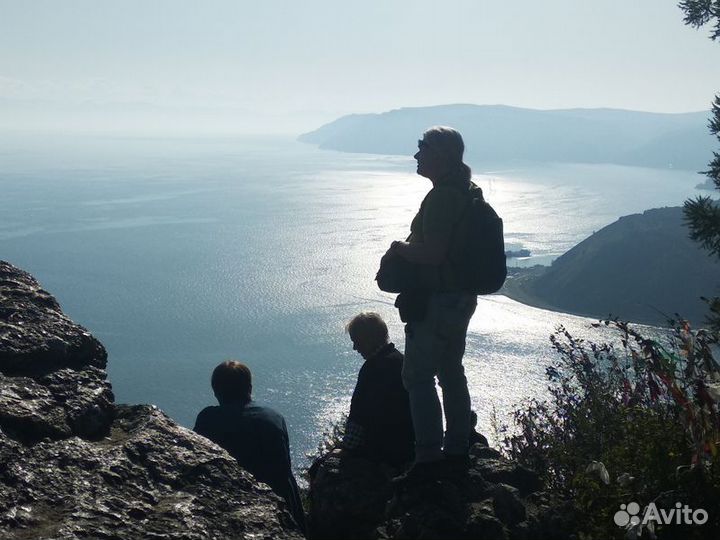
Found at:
(476, 255)
(477, 252)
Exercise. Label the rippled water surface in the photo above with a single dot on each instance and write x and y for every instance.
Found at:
(178, 254)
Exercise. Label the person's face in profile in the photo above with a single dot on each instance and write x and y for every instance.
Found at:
(361, 345)
(430, 163)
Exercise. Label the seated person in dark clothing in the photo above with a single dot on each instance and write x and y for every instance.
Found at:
(255, 436)
(475, 436)
(379, 425)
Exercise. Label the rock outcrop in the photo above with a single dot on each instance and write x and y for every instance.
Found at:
(355, 499)
(73, 464)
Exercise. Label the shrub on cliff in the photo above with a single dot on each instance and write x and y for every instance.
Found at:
(635, 423)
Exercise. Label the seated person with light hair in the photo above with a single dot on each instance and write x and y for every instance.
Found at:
(254, 435)
(379, 425)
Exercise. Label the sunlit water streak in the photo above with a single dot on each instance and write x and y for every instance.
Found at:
(177, 254)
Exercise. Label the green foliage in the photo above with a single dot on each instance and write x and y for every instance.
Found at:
(703, 216)
(621, 422)
(700, 12)
(330, 440)
(702, 213)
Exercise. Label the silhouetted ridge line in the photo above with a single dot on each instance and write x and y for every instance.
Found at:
(500, 133)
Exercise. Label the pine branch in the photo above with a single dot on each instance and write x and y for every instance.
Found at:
(700, 12)
(702, 216)
(713, 319)
(713, 173)
(714, 123)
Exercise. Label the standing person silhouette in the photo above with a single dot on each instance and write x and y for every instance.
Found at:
(437, 320)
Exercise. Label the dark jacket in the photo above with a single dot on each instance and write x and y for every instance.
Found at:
(257, 438)
(380, 405)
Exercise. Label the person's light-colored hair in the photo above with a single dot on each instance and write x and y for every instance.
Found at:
(448, 142)
(369, 327)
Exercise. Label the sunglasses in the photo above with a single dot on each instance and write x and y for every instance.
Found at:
(423, 144)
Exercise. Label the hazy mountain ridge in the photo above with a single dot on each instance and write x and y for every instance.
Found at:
(499, 133)
(642, 268)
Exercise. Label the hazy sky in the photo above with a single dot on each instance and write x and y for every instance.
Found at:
(293, 64)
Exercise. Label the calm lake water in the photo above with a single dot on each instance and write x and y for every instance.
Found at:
(180, 253)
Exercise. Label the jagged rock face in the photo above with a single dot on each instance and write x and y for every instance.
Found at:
(149, 479)
(495, 500)
(75, 465)
(57, 405)
(52, 371)
(35, 336)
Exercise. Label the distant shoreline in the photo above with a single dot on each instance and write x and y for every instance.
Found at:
(516, 289)
(503, 133)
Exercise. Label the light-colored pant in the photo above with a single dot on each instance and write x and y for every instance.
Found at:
(435, 347)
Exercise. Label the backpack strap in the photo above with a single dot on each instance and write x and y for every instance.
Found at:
(421, 211)
(472, 192)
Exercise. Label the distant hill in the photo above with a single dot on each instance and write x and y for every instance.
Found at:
(640, 268)
(502, 134)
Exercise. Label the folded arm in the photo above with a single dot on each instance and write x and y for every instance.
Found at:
(432, 251)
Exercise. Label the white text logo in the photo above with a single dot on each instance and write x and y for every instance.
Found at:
(629, 515)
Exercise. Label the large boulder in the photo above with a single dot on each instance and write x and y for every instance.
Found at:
(73, 464)
(495, 500)
(35, 335)
(150, 478)
(348, 497)
(53, 383)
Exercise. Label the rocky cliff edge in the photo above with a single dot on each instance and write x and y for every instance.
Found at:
(74, 464)
(354, 499)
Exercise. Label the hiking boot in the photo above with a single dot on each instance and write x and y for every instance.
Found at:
(457, 464)
(421, 472)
